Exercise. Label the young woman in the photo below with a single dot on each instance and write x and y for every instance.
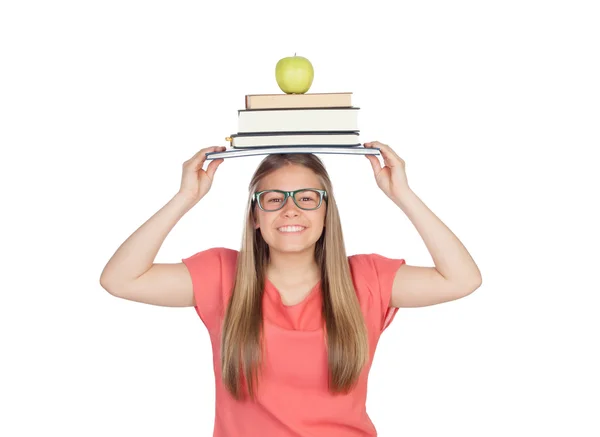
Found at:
(293, 321)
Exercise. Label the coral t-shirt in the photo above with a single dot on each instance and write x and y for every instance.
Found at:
(292, 395)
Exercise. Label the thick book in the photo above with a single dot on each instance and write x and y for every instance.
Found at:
(307, 100)
(346, 150)
(266, 139)
(298, 119)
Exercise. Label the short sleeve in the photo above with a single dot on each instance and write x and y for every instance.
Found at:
(212, 272)
(377, 273)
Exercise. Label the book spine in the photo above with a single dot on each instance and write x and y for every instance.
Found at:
(274, 101)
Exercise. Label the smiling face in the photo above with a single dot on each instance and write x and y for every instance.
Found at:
(289, 178)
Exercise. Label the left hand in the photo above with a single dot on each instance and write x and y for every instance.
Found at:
(391, 178)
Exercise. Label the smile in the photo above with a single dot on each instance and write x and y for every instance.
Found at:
(291, 229)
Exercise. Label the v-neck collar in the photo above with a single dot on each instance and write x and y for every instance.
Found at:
(304, 316)
(275, 292)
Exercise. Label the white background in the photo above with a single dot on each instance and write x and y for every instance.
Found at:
(493, 106)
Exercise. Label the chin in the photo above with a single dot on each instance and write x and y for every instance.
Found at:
(292, 246)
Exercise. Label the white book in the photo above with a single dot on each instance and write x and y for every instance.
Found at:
(335, 150)
(297, 119)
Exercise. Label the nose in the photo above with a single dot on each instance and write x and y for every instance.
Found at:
(290, 208)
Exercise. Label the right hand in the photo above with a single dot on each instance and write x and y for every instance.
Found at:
(196, 182)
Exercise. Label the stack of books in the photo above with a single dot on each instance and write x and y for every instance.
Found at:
(296, 123)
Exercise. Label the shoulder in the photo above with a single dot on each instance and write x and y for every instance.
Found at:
(212, 272)
(212, 260)
(373, 266)
(212, 254)
(373, 277)
(211, 266)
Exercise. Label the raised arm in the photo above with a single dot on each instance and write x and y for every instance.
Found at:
(131, 272)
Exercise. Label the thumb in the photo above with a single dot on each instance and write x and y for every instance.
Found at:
(375, 164)
(212, 167)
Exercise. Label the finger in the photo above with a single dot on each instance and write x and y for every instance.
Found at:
(197, 155)
(198, 159)
(374, 144)
(204, 151)
(380, 145)
(390, 158)
(391, 151)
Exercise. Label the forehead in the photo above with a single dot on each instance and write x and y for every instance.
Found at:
(290, 177)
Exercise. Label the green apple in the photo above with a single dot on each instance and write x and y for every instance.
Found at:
(294, 74)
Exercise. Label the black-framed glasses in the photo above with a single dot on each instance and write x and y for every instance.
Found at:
(307, 199)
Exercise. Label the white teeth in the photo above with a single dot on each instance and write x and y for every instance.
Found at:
(291, 228)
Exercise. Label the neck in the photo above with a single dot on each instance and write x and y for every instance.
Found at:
(293, 267)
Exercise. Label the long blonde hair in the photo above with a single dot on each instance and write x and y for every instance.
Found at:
(346, 333)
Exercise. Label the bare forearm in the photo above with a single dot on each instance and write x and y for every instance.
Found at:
(451, 258)
(136, 255)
